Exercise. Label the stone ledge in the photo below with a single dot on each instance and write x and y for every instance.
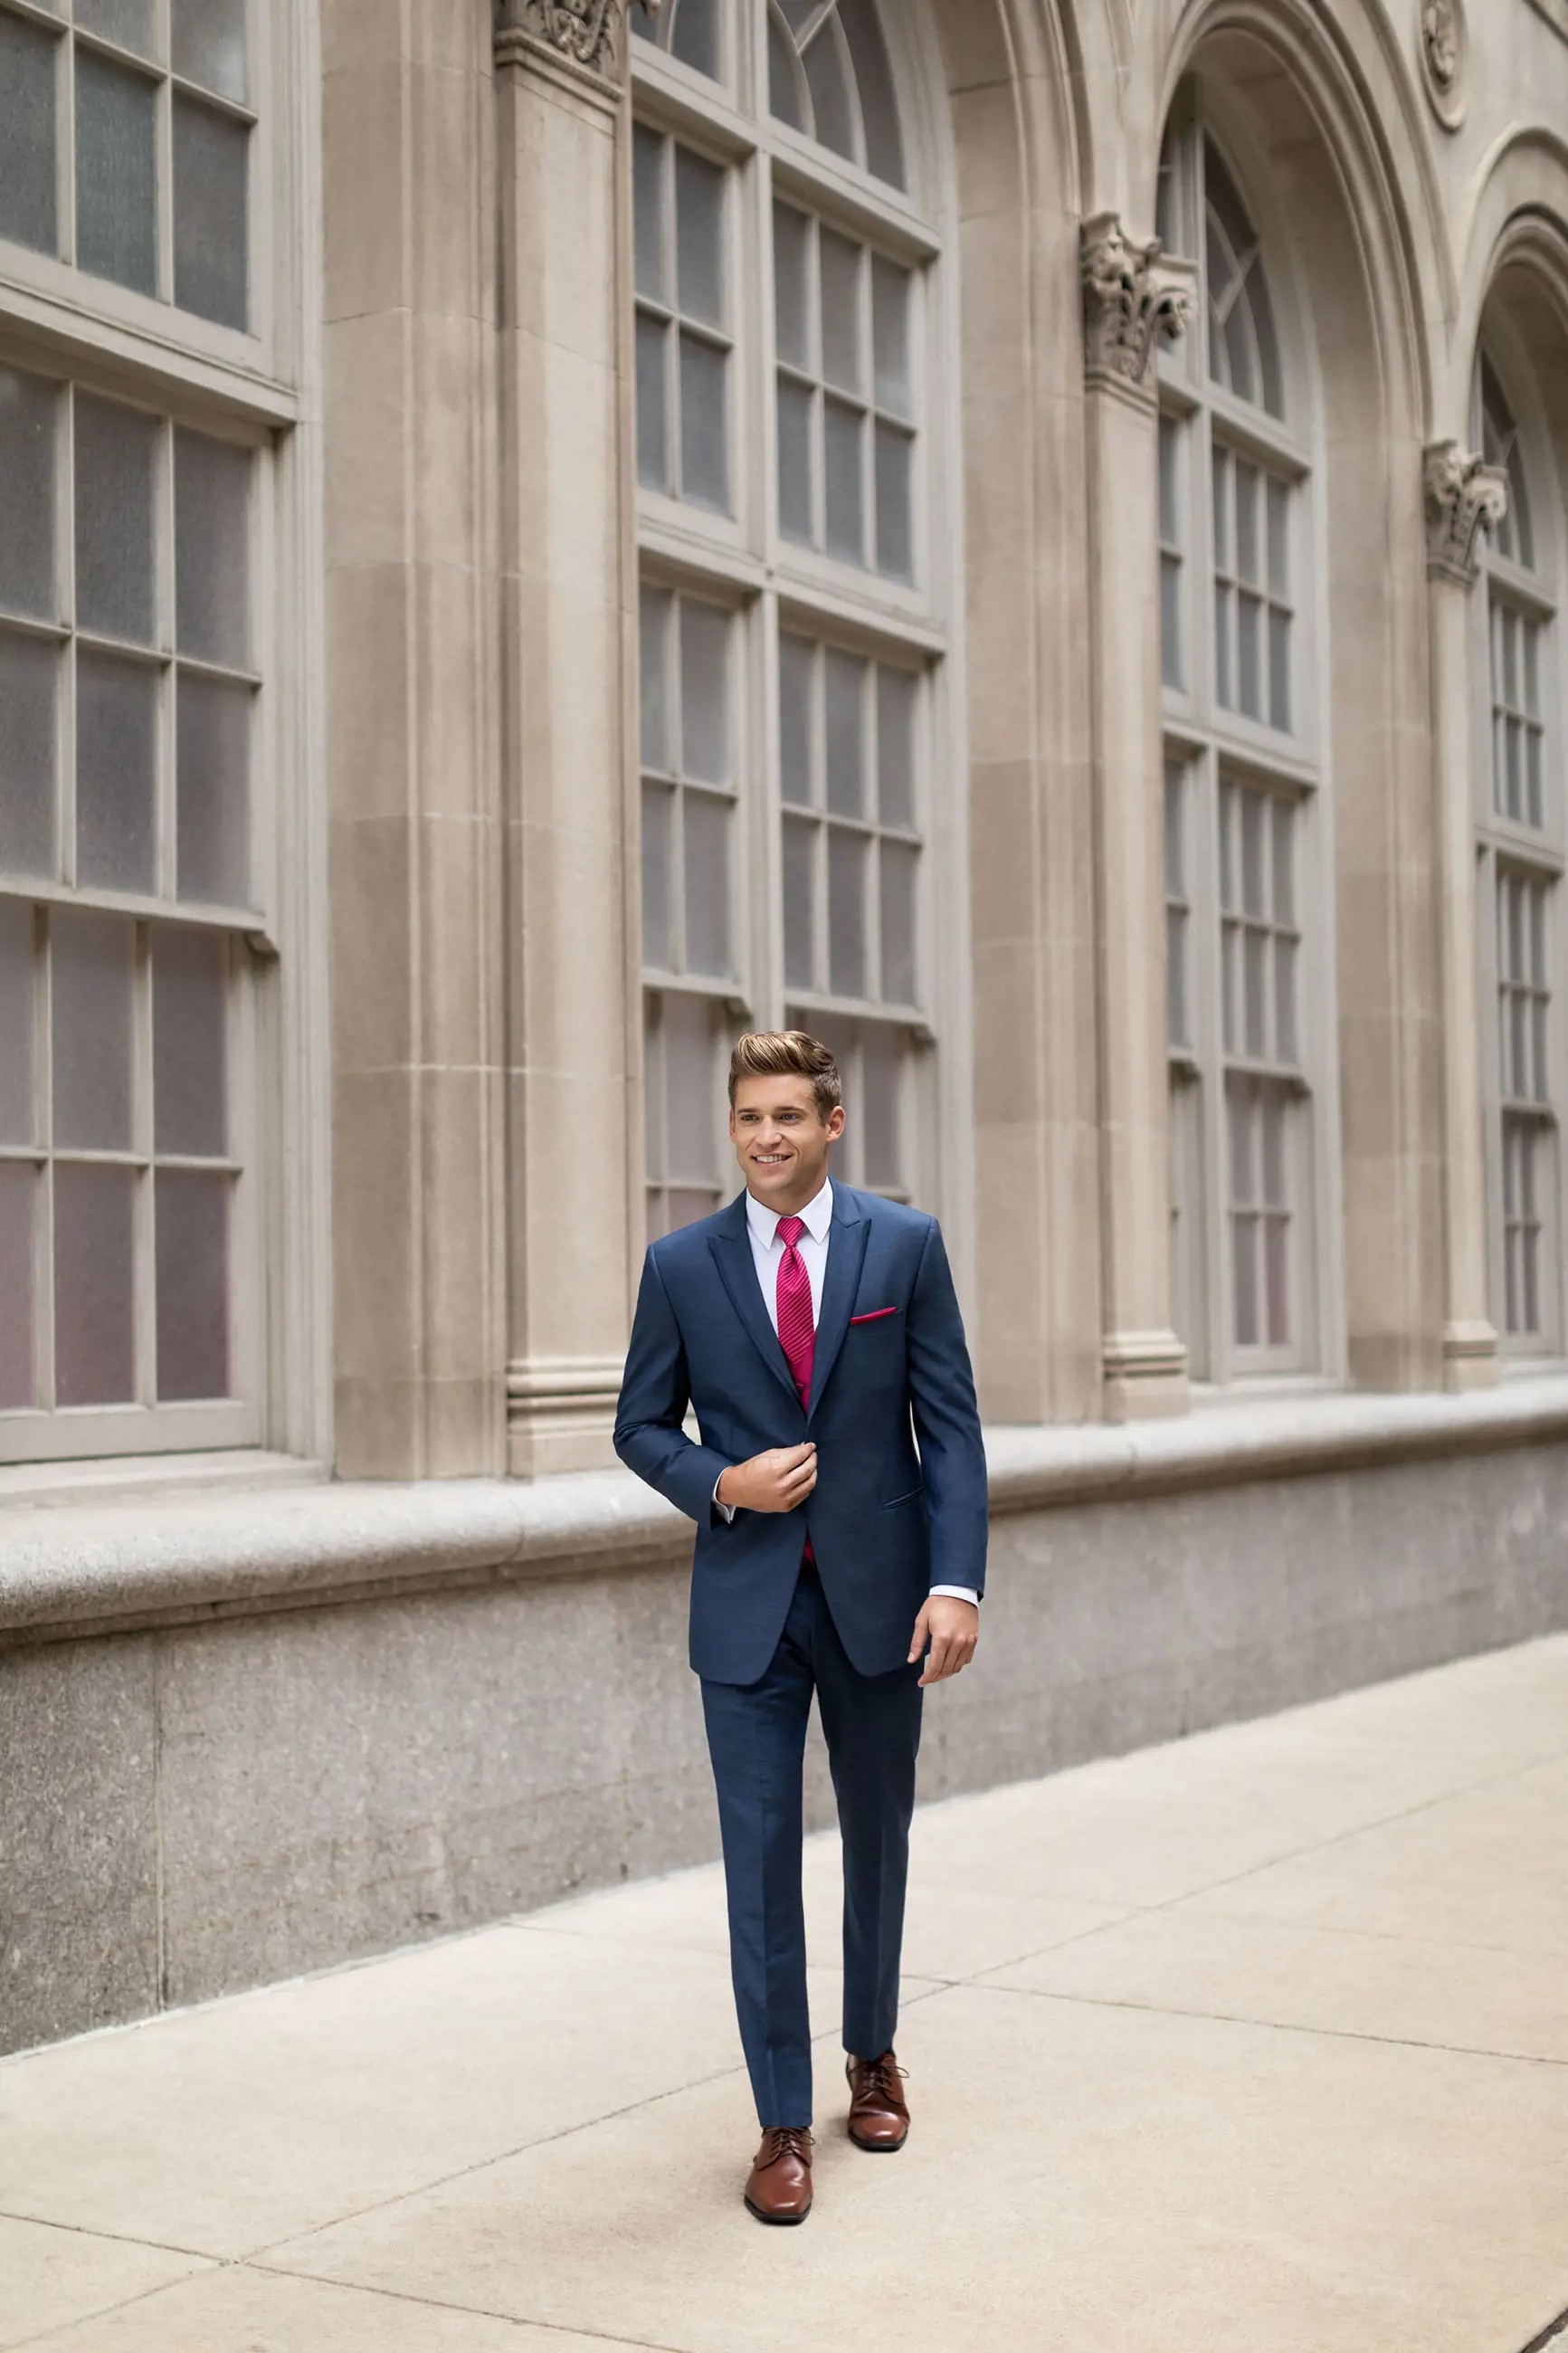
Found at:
(143, 1561)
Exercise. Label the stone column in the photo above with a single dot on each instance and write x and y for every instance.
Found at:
(1464, 499)
(413, 762)
(568, 591)
(1131, 298)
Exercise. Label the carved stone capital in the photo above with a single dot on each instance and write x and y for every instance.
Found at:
(1464, 497)
(585, 33)
(1132, 294)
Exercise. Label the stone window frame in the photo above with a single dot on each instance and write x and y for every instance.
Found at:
(1520, 863)
(776, 586)
(1211, 747)
(256, 386)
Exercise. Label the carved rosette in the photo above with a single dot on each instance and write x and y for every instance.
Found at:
(1132, 295)
(586, 32)
(1464, 497)
(1444, 54)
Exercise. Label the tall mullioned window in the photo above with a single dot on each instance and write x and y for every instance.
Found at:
(791, 636)
(137, 868)
(1521, 843)
(1241, 788)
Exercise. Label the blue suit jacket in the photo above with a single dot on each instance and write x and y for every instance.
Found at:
(886, 1523)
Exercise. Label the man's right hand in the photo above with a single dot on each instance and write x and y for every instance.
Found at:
(774, 1482)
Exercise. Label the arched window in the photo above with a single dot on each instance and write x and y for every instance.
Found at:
(1241, 787)
(1521, 842)
(792, 639)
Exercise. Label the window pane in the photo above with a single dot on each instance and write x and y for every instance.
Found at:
(1278, 540)
(212, 213)
(18, 1105)
(896, 691)
(190, 1102)
(847, 855)
(706, 828)
(128, 22)
(653, 431)
(840, 264)
(1246, 554)
(694, 36)
(192, 1213)
(799, 902)
(700, 232)
(845, 683)
(828, 78)
(116, 773)
(1249, 656)
(1170, 621)
(796, 669)
(647, 214)
(95, 1342)
(213, 784)
(28, 208)
(705, 693)
(29, 407)
(209, 44)
(92, 967)
(116, 173)
(895, 542)
(874, 82)
(211, 541)
(891, 315)
(1280, 669)
(655, 675)
(877, 1110)
(30, 688)
(704, 457)
(794, 462)
(785, 97)
(657, 877)
(116, 462)
(18, 1228)
(792, 249)
(898, 865)
(843, 495)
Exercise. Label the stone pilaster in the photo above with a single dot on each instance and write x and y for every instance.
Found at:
(413, 759)
(1131, 298)
(568, 588)
(1465, 499)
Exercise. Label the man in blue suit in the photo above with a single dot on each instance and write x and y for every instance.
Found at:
(815, 1332)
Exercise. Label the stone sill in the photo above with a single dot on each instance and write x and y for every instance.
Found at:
(162, 1557)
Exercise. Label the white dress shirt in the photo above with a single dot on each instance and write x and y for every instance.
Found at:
(767, 1256)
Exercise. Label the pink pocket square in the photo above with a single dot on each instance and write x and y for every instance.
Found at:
(874, 1315)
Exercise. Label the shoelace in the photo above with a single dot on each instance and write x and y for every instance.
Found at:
(879, 2077)
(787, 2140)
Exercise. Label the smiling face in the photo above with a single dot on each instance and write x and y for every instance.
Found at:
(781, 1140)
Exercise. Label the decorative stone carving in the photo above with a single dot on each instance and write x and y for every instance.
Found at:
(1445, 52)
(1132, 294)
(586, 32)
(1464, 497)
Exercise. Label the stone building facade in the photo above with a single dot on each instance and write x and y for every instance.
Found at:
(1029, 536)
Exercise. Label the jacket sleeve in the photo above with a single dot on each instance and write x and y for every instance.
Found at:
(654, 1394)
(947, 1423)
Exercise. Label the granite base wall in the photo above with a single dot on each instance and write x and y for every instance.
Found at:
(191, 1810)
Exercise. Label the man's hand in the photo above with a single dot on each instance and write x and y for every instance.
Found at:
(774, 1482)
(949, 1629)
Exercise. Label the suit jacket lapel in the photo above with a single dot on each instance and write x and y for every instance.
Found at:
(731, 1249)
(846, 1248)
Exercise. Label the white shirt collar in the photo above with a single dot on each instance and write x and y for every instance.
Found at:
(818, 1215)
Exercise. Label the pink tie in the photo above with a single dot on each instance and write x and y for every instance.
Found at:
(797, 1333)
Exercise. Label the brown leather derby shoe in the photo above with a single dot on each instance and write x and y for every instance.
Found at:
(779, 2187)
(878, 2118)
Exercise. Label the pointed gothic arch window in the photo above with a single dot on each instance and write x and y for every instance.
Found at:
(1246, 936)
(1521, 840)
(829, 77)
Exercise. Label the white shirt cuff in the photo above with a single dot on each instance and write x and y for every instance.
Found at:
(729, 1510)
(957, 1592)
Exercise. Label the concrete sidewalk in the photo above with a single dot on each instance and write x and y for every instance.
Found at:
(1257, 2043)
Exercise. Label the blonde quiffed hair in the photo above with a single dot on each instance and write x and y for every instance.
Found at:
(788, 1054)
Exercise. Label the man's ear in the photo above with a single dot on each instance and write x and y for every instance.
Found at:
(835, 1122)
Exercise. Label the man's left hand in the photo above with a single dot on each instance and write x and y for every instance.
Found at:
(949, 1629)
